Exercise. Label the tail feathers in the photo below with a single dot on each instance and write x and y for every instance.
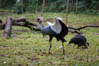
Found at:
(60, 38)
(63, 40)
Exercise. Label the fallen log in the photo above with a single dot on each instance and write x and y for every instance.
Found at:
(23, 22)
(75, 31)
(88, 25)
(20, 22)
(84, 26)
(2, 26)
(1, 22)
(8, 27)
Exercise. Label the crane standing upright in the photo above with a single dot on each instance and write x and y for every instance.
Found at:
(58, 30)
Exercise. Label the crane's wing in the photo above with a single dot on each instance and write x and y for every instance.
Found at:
(64, 30)
(59, 27)
(56, 27)
(49, 23)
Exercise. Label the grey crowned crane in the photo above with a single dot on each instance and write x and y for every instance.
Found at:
(58, 30)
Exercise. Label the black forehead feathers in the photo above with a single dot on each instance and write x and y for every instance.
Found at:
(38, 19)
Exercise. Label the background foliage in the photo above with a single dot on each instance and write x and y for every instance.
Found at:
(53, 5)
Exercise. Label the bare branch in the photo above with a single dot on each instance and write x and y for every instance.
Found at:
(84, 26)
(88, 25)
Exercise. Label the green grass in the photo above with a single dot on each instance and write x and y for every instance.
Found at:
(29, 48)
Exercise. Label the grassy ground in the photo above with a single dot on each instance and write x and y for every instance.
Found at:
(29, 48)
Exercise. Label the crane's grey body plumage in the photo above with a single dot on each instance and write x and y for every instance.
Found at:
(52, 31)
(47, 30)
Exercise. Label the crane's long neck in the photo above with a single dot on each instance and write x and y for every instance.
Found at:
(40, 26)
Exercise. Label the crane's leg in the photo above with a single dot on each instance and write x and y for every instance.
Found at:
(63, 48)
(86, 46)
(74, 46)
(50, 46)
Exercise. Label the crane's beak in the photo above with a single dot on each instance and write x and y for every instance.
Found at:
(39, 22)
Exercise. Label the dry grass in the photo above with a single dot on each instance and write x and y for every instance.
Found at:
(29, 48)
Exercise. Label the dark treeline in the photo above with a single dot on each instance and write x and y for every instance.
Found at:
(51, 5)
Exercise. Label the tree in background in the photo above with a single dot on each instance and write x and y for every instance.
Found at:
(7, 3)
(53, 5)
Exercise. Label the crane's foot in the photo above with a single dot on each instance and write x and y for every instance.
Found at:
(63, 53)
(63, 48)
(49, 53)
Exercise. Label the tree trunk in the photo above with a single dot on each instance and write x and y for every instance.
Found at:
(36, 8)
(0, 3)
(76, 6)
(67, 7)
(43, 6)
